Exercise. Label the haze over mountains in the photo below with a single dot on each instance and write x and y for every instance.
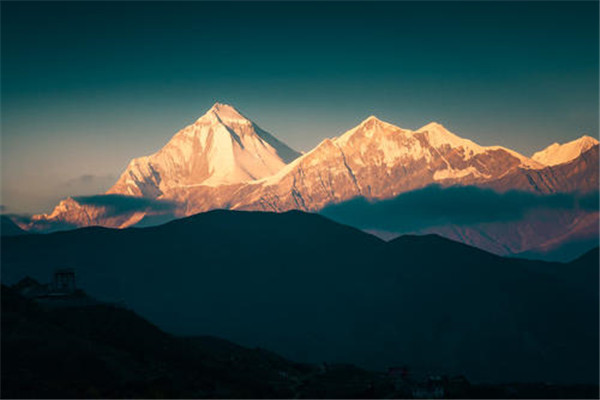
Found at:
(225, 161)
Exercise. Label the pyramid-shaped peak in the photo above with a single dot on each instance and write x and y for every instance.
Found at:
(373, 122)
(225, 110)
(369, 127)
(370, 120)
(225, 113)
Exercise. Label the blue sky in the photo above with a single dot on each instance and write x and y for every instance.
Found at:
(88, 86)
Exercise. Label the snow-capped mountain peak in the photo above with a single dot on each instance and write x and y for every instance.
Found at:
(225, 114)
(221, 147)
(224, 160)
(437, 135)
(433, 126)
(370, 128)
(556, 153)
(372, 122)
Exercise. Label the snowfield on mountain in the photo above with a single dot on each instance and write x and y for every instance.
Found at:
(225, 161)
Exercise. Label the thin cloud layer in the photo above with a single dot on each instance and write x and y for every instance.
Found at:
(116, 204)
(87, 180)
(435, 206)
(112, 206)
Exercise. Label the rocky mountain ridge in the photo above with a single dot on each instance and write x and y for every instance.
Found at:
(225, 161)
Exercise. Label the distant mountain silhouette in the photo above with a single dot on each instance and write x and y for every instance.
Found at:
(552, 227)
(314, 290)
(9, 228)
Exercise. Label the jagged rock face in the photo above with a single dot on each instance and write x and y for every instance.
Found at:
(221, 147)
(225, 161)
(378, 160)
(577, 175)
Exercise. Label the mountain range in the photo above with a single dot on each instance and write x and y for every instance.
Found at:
(314, 290)
(225, 161)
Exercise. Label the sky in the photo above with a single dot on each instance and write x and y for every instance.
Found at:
(87, 86)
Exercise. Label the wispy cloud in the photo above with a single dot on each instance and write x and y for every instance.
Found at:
(87, 181)
(434, 206)
(113, 205)
(116, 204)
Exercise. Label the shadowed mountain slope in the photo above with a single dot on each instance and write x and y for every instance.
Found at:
(225, 161)
(313, 290)
(110, 352)
(9, 228)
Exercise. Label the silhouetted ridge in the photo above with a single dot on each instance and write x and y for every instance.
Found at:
(311, 290)
(110, 352)
(589, 257)
(442, 244)
(294, 225)
(9, 228)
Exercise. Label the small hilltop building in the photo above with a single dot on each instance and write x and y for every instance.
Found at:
(63, 282)
(61, 290)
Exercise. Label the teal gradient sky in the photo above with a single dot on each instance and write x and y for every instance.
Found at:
(88, 86)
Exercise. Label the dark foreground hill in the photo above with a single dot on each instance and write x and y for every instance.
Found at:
(9, 228)
(104, 351)
(313, 291)
(109, 352)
